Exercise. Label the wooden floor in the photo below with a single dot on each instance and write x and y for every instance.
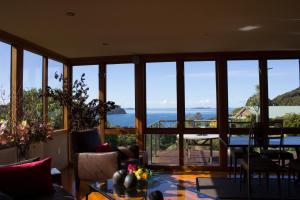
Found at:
(178, 185)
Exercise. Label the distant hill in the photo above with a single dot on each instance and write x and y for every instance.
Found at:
(291, 98)
(117, 110)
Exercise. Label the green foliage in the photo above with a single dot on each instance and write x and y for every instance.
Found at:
(84, 115)
(290, 120)
(167, 141)
(32, 105)
(121, 140)
(55, 114)
(5, 111)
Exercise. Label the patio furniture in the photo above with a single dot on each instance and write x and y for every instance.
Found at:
(205, 140)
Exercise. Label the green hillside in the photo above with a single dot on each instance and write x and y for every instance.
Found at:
(291, 98)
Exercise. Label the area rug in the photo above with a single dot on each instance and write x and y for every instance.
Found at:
(226, 188)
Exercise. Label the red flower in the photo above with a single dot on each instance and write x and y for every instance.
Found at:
(131, 168)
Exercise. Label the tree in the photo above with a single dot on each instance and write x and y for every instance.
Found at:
(291, 120)
(254, 102)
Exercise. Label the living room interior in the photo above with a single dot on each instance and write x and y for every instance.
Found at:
(149, 100)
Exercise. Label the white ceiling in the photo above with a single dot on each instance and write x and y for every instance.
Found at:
(151, 27)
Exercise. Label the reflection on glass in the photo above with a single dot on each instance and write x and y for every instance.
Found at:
(162, 149)
(243, 92)
(120, 89)
(55, 111)
(200, 94)
(161, 95)
(284, 91)
(32, 86)
(5, 84)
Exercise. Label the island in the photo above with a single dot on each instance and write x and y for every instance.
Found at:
(117, 110)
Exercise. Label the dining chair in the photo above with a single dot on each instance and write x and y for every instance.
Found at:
(258, 164)
(277, 154)
(235, 155)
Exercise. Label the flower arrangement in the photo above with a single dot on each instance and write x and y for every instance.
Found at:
(23, 134)
(141, 173)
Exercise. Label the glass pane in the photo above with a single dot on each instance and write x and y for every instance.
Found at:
(120, 89)
(284, 91)
(5, 84)
(91, 79)
(243, 92)
(161, 95)
(201, 149)
(55, 111)
(200, 94)
(32, 86)
(162, 149)
(120, 139)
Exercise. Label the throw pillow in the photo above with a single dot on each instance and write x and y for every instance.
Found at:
(103, 148)
(24, 180)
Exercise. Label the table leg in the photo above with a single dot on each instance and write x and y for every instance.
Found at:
(211, 150)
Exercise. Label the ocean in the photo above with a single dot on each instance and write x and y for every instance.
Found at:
(155, 114)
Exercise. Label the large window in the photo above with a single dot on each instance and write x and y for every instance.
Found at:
(200, 94)
(284, 100)
(5, 83)
(243, 92)
(55, 111)
(161, 95)
(32, 86)
(120, 89)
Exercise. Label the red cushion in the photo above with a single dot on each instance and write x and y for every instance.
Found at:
(30, 179)
(102, 148)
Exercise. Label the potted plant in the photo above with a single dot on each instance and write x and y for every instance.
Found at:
(84, 115)
(23, 134)
(28, 128)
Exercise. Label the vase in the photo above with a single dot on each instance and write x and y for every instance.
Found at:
(119, 177)
(23, 152)
(130, 181)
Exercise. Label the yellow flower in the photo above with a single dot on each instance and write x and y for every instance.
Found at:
(145, 176)
(24, 123)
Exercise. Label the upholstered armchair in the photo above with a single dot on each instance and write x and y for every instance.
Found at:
(90, 165)
(95, 166)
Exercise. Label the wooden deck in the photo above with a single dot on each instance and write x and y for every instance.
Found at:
(197, 158)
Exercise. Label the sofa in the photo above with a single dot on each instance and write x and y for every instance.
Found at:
(23, 180)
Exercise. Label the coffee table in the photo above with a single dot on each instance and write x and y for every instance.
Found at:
(110, 191)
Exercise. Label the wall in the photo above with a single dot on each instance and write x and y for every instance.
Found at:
(57, 148)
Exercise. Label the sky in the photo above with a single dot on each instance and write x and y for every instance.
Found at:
(200, 84)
